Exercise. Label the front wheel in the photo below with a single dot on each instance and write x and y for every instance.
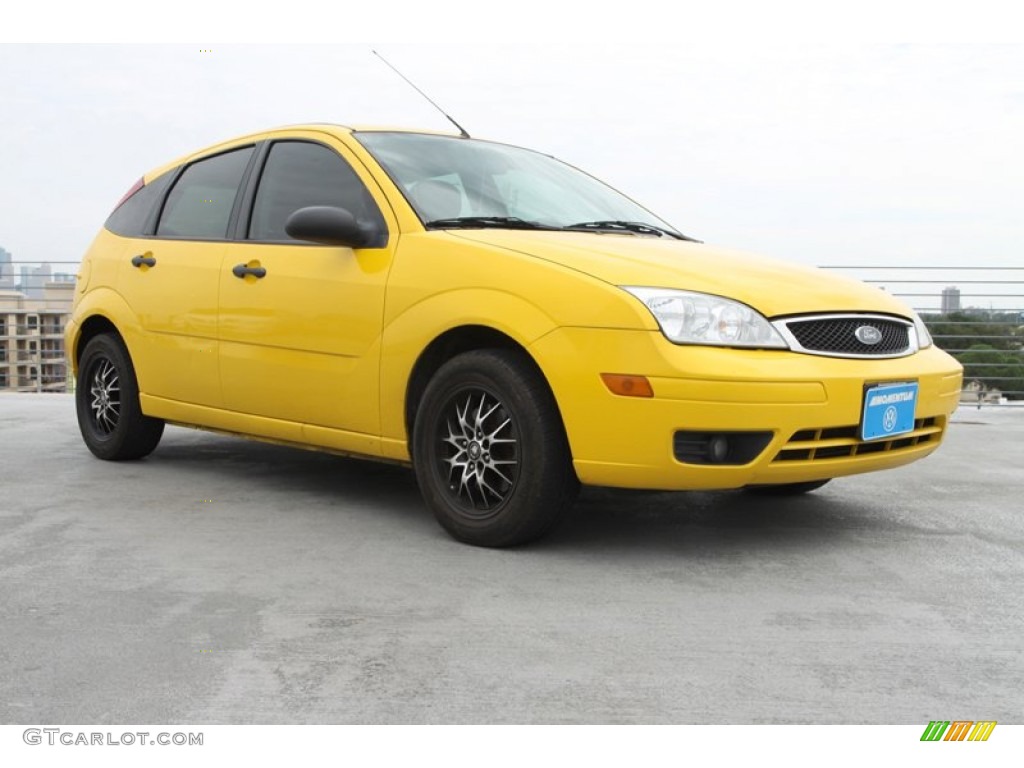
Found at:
(107, 400)
(490, 452)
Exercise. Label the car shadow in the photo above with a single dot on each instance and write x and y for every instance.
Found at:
(695, 523)
(295, 472)
(602, 520)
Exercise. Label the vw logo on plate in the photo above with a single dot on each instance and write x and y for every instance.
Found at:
(889, 419)
(868, 334)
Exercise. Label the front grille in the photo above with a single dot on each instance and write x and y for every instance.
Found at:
(844, 443)
(838, 335)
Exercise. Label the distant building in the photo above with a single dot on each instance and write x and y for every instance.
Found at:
(33, 279)
(6, 270)
(32, 338)
(950, 300)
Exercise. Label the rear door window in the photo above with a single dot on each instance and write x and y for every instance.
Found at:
(200, 203)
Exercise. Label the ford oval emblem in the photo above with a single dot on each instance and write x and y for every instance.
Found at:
(868, 334)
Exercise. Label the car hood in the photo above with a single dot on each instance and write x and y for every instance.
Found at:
(768, 285)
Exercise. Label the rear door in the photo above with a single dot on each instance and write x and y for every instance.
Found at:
(171, 279)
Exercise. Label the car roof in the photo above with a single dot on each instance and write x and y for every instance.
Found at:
(327, 127)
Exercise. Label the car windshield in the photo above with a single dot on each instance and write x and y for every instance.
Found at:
(453, 182)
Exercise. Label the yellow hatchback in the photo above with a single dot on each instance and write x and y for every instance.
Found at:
(504, 322)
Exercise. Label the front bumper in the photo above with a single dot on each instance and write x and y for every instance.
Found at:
(810, 404)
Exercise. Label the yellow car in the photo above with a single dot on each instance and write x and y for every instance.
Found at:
(504, 322)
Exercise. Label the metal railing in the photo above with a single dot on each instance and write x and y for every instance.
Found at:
(30, 277)
(974, 313)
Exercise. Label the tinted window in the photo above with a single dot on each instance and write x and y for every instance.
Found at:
(299, 174)
(132, 216)
(200, 203)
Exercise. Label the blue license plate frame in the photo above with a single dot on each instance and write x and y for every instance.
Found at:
(889, 410)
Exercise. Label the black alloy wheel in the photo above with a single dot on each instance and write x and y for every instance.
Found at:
(490, 452)
(107, 400)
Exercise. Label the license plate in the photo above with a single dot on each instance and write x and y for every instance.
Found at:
(888, 410)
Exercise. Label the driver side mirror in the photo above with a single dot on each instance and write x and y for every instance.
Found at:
(333, 226)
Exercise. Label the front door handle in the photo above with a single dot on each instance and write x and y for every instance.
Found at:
(241, 270)
(138, 261)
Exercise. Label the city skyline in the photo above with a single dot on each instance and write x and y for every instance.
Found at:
(30, 277)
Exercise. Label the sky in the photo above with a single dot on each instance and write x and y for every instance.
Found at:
(847, 153)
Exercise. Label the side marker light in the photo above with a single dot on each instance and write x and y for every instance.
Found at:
(627, 385)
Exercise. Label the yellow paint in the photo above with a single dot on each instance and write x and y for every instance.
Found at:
(320, 352)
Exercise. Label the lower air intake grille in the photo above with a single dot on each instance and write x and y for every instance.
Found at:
(843, 442)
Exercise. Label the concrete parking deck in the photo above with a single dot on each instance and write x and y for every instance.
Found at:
(226, 581)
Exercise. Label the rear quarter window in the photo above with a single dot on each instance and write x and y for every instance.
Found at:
(199, 205)
(134, 217)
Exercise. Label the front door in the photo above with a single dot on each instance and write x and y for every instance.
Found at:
(300, 323)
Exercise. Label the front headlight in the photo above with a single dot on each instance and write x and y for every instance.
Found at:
(924, 339)
(686, 317)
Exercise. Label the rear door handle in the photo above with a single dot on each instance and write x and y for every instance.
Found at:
(241, 270)
(138, 261)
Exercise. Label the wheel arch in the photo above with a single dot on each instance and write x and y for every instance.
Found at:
(92, 327)
(101, 310)
(454, 342)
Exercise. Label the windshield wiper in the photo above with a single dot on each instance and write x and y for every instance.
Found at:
(514, 222)
(486, 222)
(631, 226)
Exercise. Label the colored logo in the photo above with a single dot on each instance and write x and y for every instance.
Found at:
(889, 418)
(958, 730)
(868, 334)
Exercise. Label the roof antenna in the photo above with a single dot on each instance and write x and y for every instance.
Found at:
(451, 119)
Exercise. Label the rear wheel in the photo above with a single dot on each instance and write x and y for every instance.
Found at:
(107, 400)
(490, 452)
(787, 489)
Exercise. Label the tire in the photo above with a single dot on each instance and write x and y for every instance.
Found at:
(787, 489)
(107, 400)
(490, 452)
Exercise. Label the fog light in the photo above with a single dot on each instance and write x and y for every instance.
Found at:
(718, 449)
(721, 448)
